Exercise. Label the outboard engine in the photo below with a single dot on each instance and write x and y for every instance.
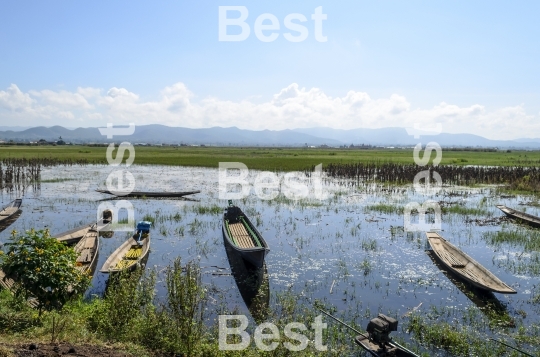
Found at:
(379, 329)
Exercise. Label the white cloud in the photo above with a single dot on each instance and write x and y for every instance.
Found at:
(291, 107)
(15, 100)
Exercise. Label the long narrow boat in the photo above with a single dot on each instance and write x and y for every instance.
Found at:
(150, 194)
(242, 236)
(87, 250)
(73, 236)
(131, 253)
(10, 210)
(466, 267)
(522, 216)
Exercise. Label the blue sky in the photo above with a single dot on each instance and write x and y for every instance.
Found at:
(471, 66)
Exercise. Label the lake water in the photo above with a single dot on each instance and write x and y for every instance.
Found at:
(336, 250)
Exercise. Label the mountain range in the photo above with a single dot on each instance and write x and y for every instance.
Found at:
(160, 134)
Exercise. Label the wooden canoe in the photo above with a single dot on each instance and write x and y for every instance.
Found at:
(466, 267)
(242, 236)
(521, 216)
(150, 194)
(10, 210)
(87, 250)
(390, 350)
(128, 255)
(73, 236)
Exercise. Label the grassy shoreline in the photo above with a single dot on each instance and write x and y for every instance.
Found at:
(273, 159)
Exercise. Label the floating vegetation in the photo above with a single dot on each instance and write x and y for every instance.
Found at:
(213, 209)
(528, 239)
(466, 211)
(56, 180)
(385, 208)
(369, 244)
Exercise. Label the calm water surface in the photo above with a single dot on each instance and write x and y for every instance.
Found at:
(336, 250)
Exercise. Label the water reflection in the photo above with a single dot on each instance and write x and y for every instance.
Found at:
(485, 300)
(253, 284)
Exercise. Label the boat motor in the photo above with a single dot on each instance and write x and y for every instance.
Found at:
(379, 329)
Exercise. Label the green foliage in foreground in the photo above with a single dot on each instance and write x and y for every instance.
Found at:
(130, 316)
(460, 340)
(43, 268)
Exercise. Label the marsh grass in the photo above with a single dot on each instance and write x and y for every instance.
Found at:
(56, 180)
(213, 209)
(528, 239)
(466, 211)
(384, 208)
(369, 244)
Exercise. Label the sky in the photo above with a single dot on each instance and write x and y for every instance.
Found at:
(472, 67)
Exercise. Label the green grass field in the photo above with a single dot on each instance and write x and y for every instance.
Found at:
(280, 159)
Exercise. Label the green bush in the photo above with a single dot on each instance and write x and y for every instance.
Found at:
(43, 268)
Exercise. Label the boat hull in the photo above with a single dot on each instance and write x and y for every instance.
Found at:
(253, 285)
(110, 264)
(466, 267)
(10, 210)
(151, 194)
(254, 256)
(88, 251)
(521, 216)
(391, 350)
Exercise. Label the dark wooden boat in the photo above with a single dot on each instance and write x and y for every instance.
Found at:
(521, 216)
(131, 253)
(151, 194)
(253, 285)
(390, 349)
(242, 236)
(466, 267)
(10, 210)
(377, 340)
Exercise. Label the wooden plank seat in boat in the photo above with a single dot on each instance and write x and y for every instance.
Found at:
(452, 259)
(240, 234)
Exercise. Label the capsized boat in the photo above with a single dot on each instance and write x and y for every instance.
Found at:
(242, 236)
(466, 267)
(131, 253)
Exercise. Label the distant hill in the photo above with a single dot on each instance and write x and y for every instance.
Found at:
(160, 134)
(400, 137)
